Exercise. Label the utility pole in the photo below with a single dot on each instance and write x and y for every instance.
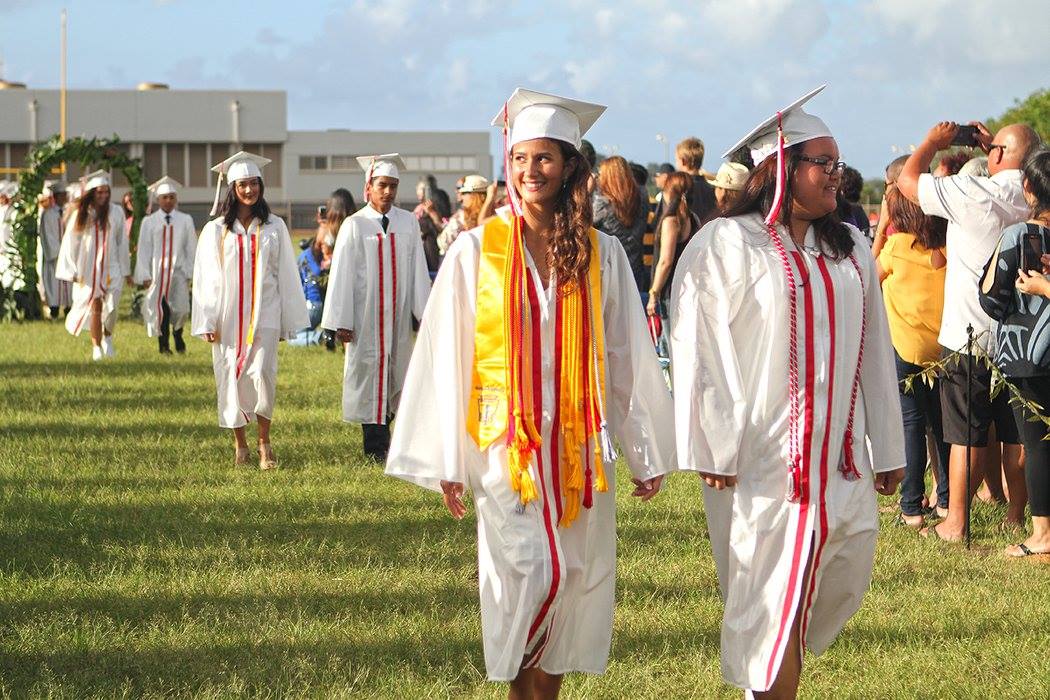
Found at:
(62, 84)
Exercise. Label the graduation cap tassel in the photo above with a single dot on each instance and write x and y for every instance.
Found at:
(512, 194)
(794, 477)
(218, 189)
(778, 195)
(368, 179)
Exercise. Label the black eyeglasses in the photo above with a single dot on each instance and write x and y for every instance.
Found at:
(1002, 151)
(827, 164)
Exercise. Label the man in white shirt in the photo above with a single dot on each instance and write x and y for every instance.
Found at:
(977, 210)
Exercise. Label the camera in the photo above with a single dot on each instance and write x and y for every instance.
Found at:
(965, 136)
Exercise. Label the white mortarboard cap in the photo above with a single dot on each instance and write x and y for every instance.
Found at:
(74, 191)
(240, 166)
(165, 185)
(385, 165)
(538, 115)
(798, 127)
(9, 189)
(3, 187)
(54, 187)
(96, 179)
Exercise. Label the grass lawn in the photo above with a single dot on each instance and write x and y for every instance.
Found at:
(136, 561)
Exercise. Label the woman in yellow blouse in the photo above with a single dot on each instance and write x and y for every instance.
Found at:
(911, 266)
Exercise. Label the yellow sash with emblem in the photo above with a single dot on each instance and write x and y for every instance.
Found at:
(502, 401)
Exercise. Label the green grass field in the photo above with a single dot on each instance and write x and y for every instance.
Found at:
(136, 561)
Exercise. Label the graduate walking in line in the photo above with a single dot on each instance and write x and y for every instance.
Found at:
(784, 378)
(56, 293)
(246, 298)
(164, 267)
(95, 256)
(533, 355)
(378, 284)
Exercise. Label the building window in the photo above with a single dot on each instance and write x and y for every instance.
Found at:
(175, 162)
(275, 152)
(19, 151)
(313, 163)
(345, 164)
(152, 167)
(219, 153)
(119, 179)
(469, 162)
(198, 175)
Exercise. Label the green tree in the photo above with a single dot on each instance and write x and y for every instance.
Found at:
(1034, 110)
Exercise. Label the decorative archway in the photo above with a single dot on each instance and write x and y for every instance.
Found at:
(20, 300)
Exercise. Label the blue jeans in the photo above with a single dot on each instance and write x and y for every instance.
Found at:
(920, 408)
(311, 335)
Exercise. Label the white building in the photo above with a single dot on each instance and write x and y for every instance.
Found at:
(182, 133)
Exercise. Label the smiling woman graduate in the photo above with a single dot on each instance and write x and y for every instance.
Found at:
(246, 297)
(533, 354)
(95, 257)
(782, 368)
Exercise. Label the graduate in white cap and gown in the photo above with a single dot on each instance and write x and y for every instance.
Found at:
(164, 266)
(533, 356)
(246, 298)
(56, 293)
(8, 275)
(95, 256)
(378, 283)
(785, 402)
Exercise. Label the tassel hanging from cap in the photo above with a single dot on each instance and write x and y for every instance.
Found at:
(218, 189)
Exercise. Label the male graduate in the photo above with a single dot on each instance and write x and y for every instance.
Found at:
(49, 226)
(378, 282)
(164, 266)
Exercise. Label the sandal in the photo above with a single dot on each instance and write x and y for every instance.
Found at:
(917, 524)
(267, 458)
(241, 456)
(1025, 552)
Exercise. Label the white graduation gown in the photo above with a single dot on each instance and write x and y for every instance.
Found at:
(546, 592)
(223, 287)
(49, 227)
(7, 236)
(377, 284)
(96, 262)
(729, 341)
(165, 256)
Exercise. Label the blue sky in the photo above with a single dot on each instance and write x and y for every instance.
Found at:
(710, 68)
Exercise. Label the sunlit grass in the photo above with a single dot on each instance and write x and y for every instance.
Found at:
(136, 561)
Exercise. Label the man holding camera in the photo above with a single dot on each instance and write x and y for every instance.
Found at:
(977, 210)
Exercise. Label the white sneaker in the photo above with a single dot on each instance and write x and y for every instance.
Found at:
(96, 353)
(107, 347)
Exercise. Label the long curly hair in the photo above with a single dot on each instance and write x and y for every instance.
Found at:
(87, 206)
(569, 248)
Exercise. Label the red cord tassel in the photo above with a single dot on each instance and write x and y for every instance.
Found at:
(794, 493)
(848, 467)
(588, 482)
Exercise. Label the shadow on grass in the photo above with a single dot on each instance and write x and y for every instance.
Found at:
(118, 369)
(262, 667)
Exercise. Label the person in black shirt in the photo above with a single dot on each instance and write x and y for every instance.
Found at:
(689, 155)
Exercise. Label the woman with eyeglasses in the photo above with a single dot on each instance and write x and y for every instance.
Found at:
(783, 371)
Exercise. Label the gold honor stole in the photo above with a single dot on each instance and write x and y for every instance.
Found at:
(506, 389)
